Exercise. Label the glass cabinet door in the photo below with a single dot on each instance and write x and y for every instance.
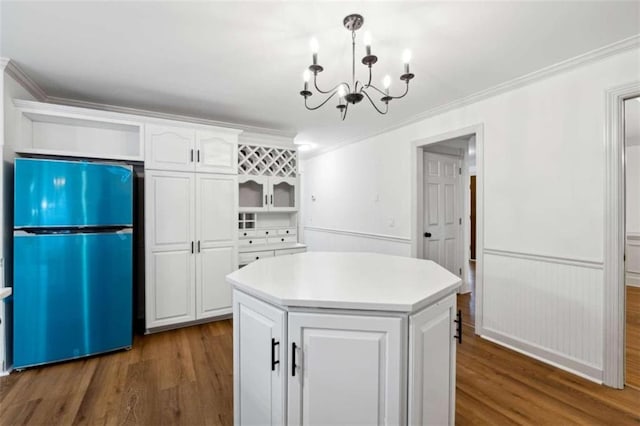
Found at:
(252, 193)
(283, 195)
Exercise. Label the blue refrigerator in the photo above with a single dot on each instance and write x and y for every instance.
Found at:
(72, 259)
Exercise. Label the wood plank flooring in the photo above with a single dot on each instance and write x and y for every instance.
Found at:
(184, 377)
(632, 372)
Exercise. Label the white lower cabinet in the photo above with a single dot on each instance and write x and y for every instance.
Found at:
(427, 330)
(348, 370)
(259, 362)
(191, 245)
(343, 368)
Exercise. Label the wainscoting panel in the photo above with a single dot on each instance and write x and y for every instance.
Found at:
(327, 239)
(633, 260)
(550, 308)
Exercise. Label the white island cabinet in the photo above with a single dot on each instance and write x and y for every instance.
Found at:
(344, 338)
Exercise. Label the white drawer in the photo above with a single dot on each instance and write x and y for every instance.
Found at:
(282, 239)
(266, 232)
(246, 233)
(249, 242)
(287, 231)
(245, 258)
(290, 251)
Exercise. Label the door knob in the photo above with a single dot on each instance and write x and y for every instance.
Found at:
(427, 234)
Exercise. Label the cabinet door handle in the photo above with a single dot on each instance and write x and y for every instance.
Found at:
(191, 247)
(458, 322)
(273, 354)
(198, 246)
(198, 156)
(266, 203)
(293, 359)
(272, 199)
(192, 156)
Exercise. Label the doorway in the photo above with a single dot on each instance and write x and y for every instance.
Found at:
(632, 241)
(441, 216)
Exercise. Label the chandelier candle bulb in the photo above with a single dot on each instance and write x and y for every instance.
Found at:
(314, 50)
(406, 58)
(306, 75)
(367, 42)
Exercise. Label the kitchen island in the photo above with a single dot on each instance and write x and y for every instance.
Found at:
(344, 338)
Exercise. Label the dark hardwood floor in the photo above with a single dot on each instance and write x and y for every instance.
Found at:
(184, 377)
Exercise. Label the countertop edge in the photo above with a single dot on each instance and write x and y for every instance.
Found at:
(364, 306)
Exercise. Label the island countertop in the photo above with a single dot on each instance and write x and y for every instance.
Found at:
(362, 281)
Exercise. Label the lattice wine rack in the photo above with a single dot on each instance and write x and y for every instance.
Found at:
(267, 161)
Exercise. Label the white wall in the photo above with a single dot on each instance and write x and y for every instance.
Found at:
(543, 205)
(632, 154)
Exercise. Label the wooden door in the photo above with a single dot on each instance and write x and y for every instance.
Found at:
(431, 343)
(216, 152)
(348, 370)
(169, 148)
(442, 221)
(169, 238)
(259, 362)
(216, 242)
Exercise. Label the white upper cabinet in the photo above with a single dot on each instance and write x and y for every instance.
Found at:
(187, 149)
(253, 193)
(283, 196)
(216, 152)
(169, 148)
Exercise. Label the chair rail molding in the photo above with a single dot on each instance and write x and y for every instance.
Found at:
(614, 238)
(382, 237)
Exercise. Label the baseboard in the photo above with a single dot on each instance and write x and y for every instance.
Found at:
(547, 356)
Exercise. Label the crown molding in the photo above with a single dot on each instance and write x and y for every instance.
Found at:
(541, 74)
(168, 116)
(14, 71)
(22, 78)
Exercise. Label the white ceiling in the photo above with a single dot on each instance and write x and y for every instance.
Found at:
(242, 61)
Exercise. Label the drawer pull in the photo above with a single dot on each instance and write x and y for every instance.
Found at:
(273, 354)
(293, 359)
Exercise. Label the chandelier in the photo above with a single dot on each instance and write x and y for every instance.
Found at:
(356, 91)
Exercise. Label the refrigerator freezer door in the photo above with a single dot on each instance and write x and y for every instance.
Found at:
(51, 193)
(72, 295)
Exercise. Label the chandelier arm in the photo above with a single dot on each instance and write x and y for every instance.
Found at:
(344, 113)
(366, 86)
(374, 105)
(406, 90)
(315, 84)
(319, 106)
(376, 89)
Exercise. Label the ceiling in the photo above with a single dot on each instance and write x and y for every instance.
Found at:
(242, 62)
